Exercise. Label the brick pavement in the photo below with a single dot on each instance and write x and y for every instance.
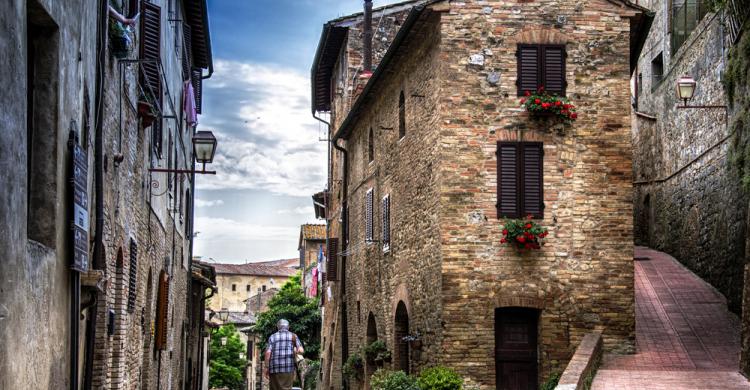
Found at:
(685, 336)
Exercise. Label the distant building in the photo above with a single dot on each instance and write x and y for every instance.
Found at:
(238, 282)
(312, 240)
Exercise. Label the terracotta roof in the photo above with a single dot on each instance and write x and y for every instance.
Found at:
(259, 269)
(281, 263)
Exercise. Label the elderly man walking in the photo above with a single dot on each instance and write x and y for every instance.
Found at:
(279, 356)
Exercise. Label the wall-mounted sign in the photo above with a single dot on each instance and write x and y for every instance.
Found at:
(80, 209)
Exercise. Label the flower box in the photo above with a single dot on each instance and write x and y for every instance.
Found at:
(523, 234)
(542, 105)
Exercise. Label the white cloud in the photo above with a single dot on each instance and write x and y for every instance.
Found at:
(298, 210)
(267, 138)
(208, 203)
(224, 229)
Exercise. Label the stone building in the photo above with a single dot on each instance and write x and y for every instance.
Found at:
(238, 282)
(312, 239)
(688, 196)
(117, 294)
(415, 213)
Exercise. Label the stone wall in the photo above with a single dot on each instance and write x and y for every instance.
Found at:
(582, 279)
(35, 295)
(688, 199)
(226, 299)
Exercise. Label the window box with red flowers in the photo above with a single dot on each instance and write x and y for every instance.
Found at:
(523, 234)
(541, 104)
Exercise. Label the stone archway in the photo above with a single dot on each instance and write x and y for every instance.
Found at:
(371, 336)
(401, 346)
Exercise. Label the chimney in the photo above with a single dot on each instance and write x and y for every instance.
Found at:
(367, 38)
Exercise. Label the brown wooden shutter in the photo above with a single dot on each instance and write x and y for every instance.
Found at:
(187, 52)
(162, 308)
(332, 261)
(532, 191)
(368, 215)
(151, 50)
(133, 281)
(386, 211)
(508, 189)
(529, 71)
(554, 69)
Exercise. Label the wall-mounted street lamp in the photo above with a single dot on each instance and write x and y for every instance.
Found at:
(204, 149)
(223, 315)
(223, 341)
(686, 89)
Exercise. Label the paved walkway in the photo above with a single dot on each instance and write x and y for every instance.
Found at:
(685, 337)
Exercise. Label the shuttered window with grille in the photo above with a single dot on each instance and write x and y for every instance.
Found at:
(369, 197)
(541, 65)
(386, 211)
(332, 260)
(150, 56)
(162, 310)
(132, 281)
(520, 179)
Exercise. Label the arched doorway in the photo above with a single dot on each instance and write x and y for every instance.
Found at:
(401, 346)
(516, 348)
(371, 336)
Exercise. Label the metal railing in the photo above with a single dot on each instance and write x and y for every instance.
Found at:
(736, 15)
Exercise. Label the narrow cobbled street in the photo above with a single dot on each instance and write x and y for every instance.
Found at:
(685, 336)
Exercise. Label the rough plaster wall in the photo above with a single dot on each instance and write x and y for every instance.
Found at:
(227, 299)
(699, 215)
(582, 279)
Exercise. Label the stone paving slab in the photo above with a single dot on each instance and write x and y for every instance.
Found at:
(685, 336)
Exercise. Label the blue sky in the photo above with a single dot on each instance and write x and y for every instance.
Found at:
(269, 158)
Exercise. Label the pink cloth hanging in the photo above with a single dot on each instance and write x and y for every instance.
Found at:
(314, 288)
(191, 115)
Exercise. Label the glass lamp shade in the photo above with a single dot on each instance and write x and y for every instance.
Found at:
(685, 87)
(223, 341)
(204, 145)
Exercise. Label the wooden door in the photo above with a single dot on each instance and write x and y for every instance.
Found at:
(516, 348)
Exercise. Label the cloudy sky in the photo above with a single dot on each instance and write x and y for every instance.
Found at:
(269, 159)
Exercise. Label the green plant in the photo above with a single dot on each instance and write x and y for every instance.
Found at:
(302, 313)
(354, 366)
(225, 366)
(439, 378)
(542, 103)
(551, 383)
(523, 233)
(376, 351)
(384, 379)
(311, 375)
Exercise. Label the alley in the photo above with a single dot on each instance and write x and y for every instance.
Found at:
(685, 337)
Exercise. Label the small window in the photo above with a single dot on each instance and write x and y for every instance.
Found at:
(401, 115)
(368, 216)
(386, 210)
(263, 288)
(234, 287)
(686, 14)
(541, 65)
(133, 279)
(520, 179)
(247, 288)
(370, 146)
(657, 70)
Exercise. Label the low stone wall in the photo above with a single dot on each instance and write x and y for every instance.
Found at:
(584, 363)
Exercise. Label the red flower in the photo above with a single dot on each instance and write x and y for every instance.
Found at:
(503, 241)
(527, 246)
(528, 226)
(558, 103)
(537, 101)
(528, 93)
(505, 232)
(523, 100)
(573, 115)
(520, 239)
(566, 106)
(545, 105)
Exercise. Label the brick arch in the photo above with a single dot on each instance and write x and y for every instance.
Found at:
(401, 294)
(541, 35)
(520, 301)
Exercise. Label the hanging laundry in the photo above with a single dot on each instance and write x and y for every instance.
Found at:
(191, 115)
(314, 287)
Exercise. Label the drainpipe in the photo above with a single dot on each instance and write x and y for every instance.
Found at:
(367, 37)
(98, 260)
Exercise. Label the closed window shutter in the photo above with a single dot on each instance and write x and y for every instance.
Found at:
(187, 51)
(386, 222)
(150, 50)
(554, 69)
(528, 68)
(368, 216)
(507, 180)
(332, 260)
(162, 308)
(132, 282)
(532, 179)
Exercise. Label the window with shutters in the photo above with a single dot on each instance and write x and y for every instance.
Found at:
(401, 115)
(132, 281)
(370, 146)
(386, 211)
(541, 65)
(332, 260)
(150, 66)
(162, 311)
(368, 216)
(520, 179)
